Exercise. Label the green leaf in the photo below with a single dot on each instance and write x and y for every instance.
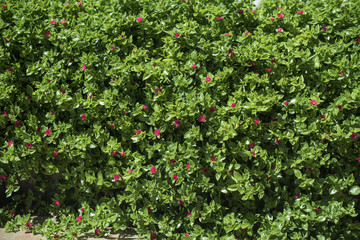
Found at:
(355, 190)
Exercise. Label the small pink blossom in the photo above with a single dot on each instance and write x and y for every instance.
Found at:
(297, 195)
(83, 117)
(175, 177)
(253, 11)
(144, 108)
(181, 202)
(211, 109)
(112, 125)
(280, 15)
(300, 12)
(79, 3)
(279, 29)
(6, 113)
(28, 145)
(189, 214)
(47, 34)
(286, 103)
(57, 203)
(268, 70)
(278, 142)
(28, 224)
(172, 161)
(233, 105)
(310, 170)
(10, 143)
(252, 63)
(247, 33)
(187, 235)
(205, 170)
(358, 159)
(323, 116)
(12, 214)
(213, 159)
(139, 19)
(82, 210)
(157, 90)
(157, 132)
(226, 34)
(188, 165)
(177, 122)
(313, 102)
(130, 170)
(53, 22)
(63, 21)
(47, 132)
(316, 209)
(66, 5)
(177, 35)
(138, 131)
(115, 153)
(341, 73)
(194, 66)
(324, 28)
(230, 54)
(253, 153)
(84, 67)
(55, 154)
(91, 96)
(97, 231)
(219, 18)
(354, 136)
(339, 107)
(153, 170)
(17, 123)
(208, 79)
(6, 40)
(79, 218)
(240, 12)
(202, 118)
(358, 39)
(112, 47)
(153, 235)
(122, 154)
(256, 121)
(116, 177)
(272, 19)
(149, 209)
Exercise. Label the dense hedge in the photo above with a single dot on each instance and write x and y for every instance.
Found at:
(181, 118)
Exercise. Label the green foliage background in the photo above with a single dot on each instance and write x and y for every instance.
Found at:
(241, 195)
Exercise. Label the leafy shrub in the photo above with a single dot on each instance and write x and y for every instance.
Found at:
(208, 120)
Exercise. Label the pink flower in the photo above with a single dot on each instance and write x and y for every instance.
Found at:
(233, 105)
(300, 12)
(354, 136)
(256, 121)
(116, 177)
(82, 210)
(97, 231)
(358, 39)
(79, 3)
(28, 145)
(47, 132)
(187, 235)
(286, 103)
(84, 67)
(122, 154)
(268, 70)
(251, 145)
(54, 214)
(342, 74)
(310, 170)
(66, 5)
(240, 12)
(55, 154)
(279, 29)
(63, 21)
(75, 234)
(253, 153)
(177, 35)
(313, 102)
(12, 214)
(5, 113)
(83, 117)
(153, 170)
(202, 118)
(177, 122)
(112, 47)
(10, 143)
(272, 19)
(153, 235)
(226, 34)
(157, 132)
(175, 177)
(6, 40)
(149, 209)
(139, 19)
(324, 28)
(339, 107)
(91, 96)
(322, 116)
(56, 236)
(212, 109)
(253, 11)
(189, 214)
(112, 125)
(138, 131)
(246, 33)
(79, 218)
(144, 108)
(172, 161)
(278, 142)
(297, 195)
(205, 170)
(53, 21)
(316, 209)
(17, 123)
(130, 170)
(157, 90)
(115, 153)
(231, 52)
(208, 79)
(219, 18)
(280, 15)
(63, 91)
(57, 203)
(28, 224)
(213, 159)
(358, 159)
(188, 165)
(181, 202)
(194, 66)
